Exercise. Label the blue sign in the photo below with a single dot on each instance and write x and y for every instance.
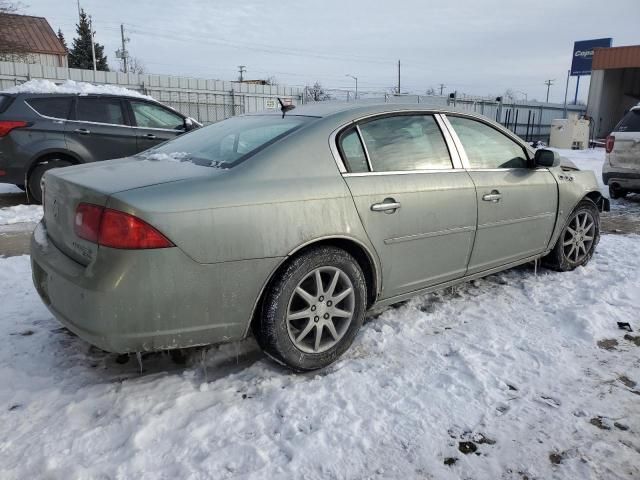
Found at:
(583, 55)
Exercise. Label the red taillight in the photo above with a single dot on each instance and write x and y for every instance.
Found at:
(7, 125)
(115, 229)
(87, 221)
(609, 145)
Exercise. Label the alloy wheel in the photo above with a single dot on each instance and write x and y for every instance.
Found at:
(320, 309)
(578, 236)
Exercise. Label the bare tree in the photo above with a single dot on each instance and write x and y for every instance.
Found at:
(272, 80)
(135, 65)
(317, 93)
(431, 91)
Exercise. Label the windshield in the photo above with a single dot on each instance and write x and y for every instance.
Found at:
(227, 143)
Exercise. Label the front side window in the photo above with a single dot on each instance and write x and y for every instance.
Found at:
(56, 107)
(486, 147)
(100, 110)
(353, 152)
(405, 142)
(227, 143)
(148, 115)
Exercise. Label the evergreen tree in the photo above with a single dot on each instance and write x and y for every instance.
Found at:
(62, 40)
(80, 53)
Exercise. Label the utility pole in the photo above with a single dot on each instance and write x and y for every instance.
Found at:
(548, 83)
(242, 69)
(442, 85)
(123, 53)
(93, 44)
(398, 77)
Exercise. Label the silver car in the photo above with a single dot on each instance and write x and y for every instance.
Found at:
(293, 225)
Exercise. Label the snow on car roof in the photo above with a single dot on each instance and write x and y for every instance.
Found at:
(72, 87)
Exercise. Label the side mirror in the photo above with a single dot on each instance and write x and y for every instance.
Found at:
(546, 158)
(189, 124)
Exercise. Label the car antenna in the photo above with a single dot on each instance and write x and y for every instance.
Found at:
(285, 108)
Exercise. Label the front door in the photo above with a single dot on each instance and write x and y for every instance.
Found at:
(99, 130)
(154, 123)
(517, 204)
(418, 211)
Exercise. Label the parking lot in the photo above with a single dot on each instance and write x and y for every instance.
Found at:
(516, 376)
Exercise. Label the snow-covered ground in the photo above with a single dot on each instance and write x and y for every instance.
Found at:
(529, 375)
(20, 214)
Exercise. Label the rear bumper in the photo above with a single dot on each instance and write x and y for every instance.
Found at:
(133, 301)
(626, 178)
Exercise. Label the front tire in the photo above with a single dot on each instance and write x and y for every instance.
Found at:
(313, 310)
(578, 239)
(34, 190)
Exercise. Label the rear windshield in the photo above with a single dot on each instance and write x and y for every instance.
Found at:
(5, 101)
(630, 122)
(56, 107)
(227, 143)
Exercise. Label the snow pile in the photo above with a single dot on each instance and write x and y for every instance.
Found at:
(20, 214)
(510, 377)
(71, 86)
(165, 157)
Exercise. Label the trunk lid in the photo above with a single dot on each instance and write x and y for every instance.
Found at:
(94, 183)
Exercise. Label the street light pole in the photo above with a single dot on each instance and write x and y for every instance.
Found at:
(356, 79)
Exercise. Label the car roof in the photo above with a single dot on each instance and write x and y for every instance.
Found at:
(359, 109)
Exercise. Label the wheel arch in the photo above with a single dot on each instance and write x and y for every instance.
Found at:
(600, 200)
(49, 155)
(362, 254)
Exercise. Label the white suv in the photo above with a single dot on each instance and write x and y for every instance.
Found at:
(621, 170)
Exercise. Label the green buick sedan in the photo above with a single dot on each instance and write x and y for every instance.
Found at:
(291, 225)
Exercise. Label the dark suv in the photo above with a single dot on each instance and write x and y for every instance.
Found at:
(43, 131)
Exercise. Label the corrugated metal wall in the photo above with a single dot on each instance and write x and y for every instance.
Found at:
(205, 100)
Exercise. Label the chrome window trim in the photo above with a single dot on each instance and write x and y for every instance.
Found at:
(404, 172)
(366, 150)
(456, 161)
(100, 123)
(462, 154)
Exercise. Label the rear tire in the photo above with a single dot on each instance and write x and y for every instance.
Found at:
(305, 327)
(578, 239)
(616, 192)
(34, 190)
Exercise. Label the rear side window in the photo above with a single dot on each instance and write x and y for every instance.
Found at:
(100, 110)
(629, 123)
(405, 142)
(353, 152)
(5, 101)
(56, 107)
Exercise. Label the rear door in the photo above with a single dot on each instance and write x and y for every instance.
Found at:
(99, 129)
(154, 123)
(517, 204)
(626, 147)
(417, 209)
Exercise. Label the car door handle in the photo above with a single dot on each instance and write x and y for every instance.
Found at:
(389, 205)
(82, 131)
(150, 136)
(494, 196)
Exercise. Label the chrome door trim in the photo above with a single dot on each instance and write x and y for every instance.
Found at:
(451, 146)
(418, 236)
(464, 160)
(402, 172)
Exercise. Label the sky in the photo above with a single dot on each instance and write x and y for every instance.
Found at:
(475, 47)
